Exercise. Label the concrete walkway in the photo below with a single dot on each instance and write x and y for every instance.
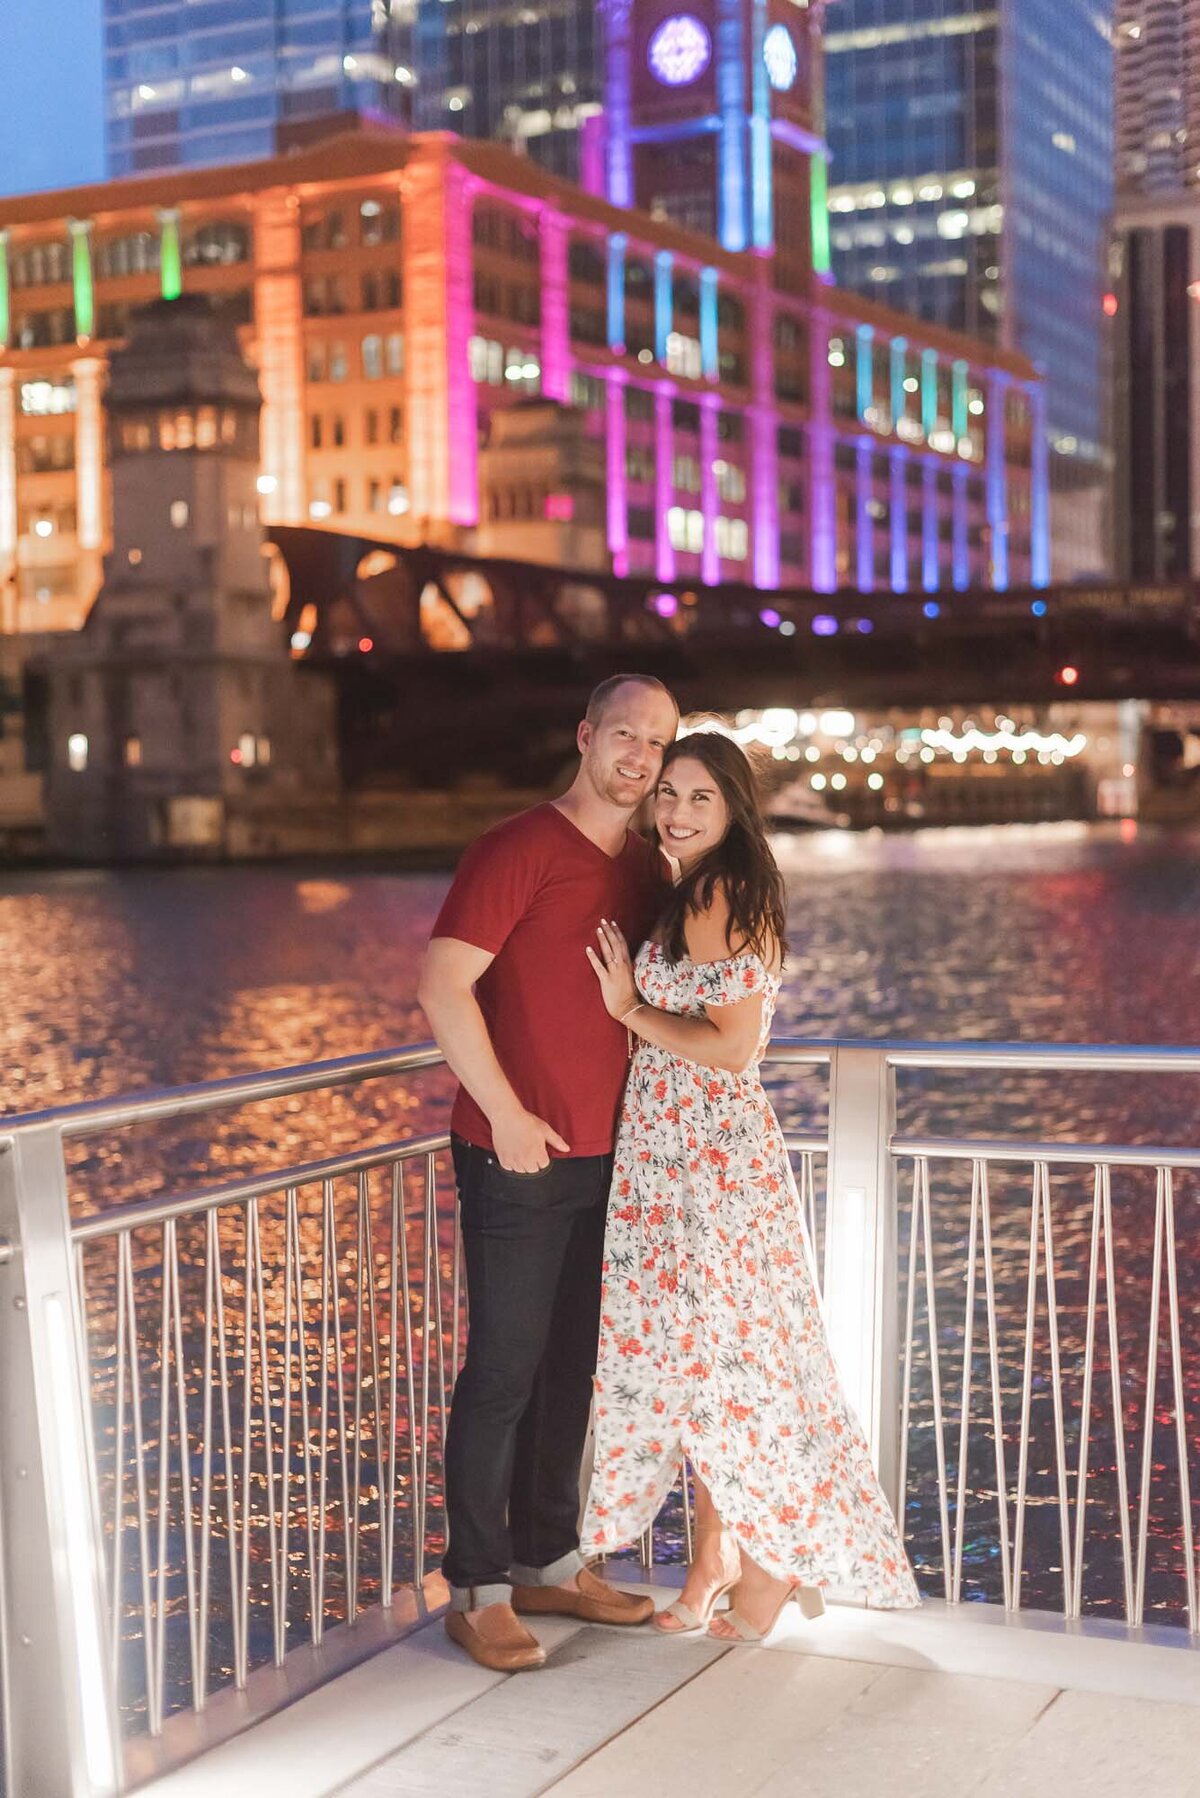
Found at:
(856, 1705)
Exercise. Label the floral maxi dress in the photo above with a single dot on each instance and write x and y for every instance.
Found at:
(712, 1343)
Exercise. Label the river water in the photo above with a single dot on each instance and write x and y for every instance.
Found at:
(112, 982)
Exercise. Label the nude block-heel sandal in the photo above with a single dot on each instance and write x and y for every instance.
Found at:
(809, 1599)
(695, 1623)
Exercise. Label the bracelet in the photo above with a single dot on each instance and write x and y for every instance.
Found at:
(640, 1006)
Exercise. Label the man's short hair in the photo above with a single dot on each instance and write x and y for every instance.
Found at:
(598, 702)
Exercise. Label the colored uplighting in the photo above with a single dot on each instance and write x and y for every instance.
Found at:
(366, 645)
(1038, 608)
(932, 609)
(770, 618)
(1068, 676)
(170, 256)
(680, 50)
(824, 626)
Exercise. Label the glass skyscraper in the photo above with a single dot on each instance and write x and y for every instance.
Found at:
(210, 81)
(971, 184)
(527, 74)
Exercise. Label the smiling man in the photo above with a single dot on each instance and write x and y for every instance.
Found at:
(517, 1012)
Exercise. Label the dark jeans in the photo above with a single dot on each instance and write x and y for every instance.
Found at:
(534, 1245)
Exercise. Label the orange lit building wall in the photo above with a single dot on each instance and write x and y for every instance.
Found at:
(439, 313)
(8, 502)
(279, 352)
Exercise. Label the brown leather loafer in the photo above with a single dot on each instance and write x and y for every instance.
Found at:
(594, 1602)
(498, 1639)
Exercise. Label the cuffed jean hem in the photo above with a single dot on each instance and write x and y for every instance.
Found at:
(476, 1598)
(553, 1575)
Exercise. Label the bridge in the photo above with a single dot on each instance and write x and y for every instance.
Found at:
(400, 611)
(224, 1405)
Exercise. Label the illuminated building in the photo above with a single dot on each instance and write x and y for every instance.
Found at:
(1156, 304)
(971, 183)
(212, 82)
(527, 75)
(1158, 95)
(709, 408)
(177, 720)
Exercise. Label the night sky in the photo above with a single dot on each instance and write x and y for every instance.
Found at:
(51, 101)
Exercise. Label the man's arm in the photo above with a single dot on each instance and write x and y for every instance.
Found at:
(447, 995)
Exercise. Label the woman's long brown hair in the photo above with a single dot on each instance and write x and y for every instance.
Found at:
(741, 864)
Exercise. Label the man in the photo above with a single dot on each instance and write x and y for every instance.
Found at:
(517, 1011)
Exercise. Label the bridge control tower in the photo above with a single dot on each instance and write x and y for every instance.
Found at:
(714, 118)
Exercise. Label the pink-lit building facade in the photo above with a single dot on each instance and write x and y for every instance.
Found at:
(711, 413)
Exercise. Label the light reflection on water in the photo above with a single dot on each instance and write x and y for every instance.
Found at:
(117, 981)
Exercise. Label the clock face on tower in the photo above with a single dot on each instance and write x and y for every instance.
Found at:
(779, 54)
(680, 50)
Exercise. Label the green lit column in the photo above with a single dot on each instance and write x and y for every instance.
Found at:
(819, 188)
(170, 255)
(81, 276)
(5, 304)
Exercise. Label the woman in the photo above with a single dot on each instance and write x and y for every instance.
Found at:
(712, 1343)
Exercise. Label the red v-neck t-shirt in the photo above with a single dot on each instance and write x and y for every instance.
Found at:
(531, 892)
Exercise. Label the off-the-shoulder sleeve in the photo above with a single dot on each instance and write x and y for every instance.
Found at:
(727, 982)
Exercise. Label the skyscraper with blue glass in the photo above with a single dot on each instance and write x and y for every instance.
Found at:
(971, 181)
(213, 80)
(528, 74)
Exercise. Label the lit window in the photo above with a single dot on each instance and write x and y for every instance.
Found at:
(372, 358)
(394, 352)
(77, 752)
(684, 356)
(733, 539)
(398, 501)
(133, 752)
(248, 745)
(180, 513)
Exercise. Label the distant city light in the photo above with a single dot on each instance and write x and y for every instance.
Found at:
(824, 626)
(366, 645)
(779, 54)
(1038, 608)
(837, 724)
(301, 639)
(77, 752)
(266, 483)
(1112, 305)
(863, 626)
(770, 618)
(1068, 676)
(932, 609)
(666, 605)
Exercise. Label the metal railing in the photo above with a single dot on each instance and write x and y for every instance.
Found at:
(220, 1443)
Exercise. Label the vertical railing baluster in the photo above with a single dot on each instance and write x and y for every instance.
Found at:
(1118, 1403)
(1139, 1596)
(960, 1497)
(1181, 1440)
(1060, 1440)
(989, 1274)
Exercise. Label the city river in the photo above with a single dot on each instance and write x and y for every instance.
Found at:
(112, 982)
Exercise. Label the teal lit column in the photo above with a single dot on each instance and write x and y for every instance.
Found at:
(663, 302)
(865, 370)
(81, 277)
(959, 418)
(616, 292)
(5, 293)
(929, 396)
(899, 362)
(170, 254)
(710, 354)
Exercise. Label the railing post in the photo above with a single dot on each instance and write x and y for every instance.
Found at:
(861, 1287)
(63, 1739)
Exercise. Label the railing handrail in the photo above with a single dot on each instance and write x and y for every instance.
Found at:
(142, 1212)
(161, 1103)
(209, 1095)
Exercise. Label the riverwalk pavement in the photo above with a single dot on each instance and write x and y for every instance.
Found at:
(940, 1704)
